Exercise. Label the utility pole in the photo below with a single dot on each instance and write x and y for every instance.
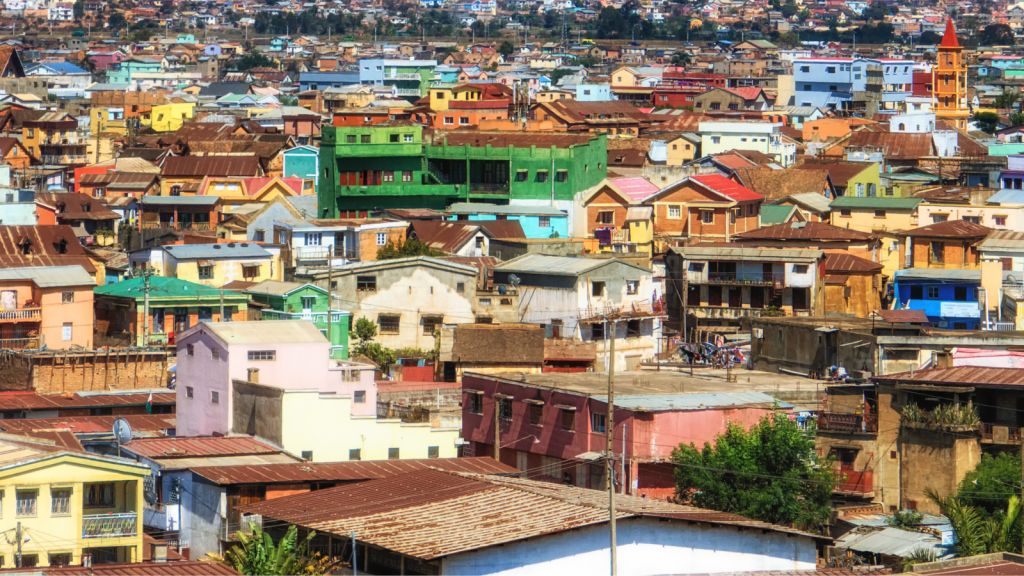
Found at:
(145, 307)
(609, 455)
(355, 557)
(222, 305)
(497, 428)
(17, 558)
(330, 293)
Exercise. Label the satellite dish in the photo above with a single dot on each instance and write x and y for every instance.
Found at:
(513, 280)
(502, 290)
(122, 431)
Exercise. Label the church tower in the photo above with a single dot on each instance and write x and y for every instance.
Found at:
(949, 81)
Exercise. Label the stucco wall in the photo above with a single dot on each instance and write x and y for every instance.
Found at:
(645, 546)
(198, 415)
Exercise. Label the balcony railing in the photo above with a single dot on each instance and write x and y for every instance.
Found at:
(231, 530)
(478, 188)
(179, 225)
(850, 423)
(322, 252)
(406, 92)
(995, 433)
(856, 482)
(408, 414)
(21, 315)
(64, 159)
(402, 76)
(20, 344)
(110, 525)
(759, 279)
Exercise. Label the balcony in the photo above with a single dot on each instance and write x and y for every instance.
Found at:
(63, 141)
(1000, 434)
(20, 344)
(229, 531)
(728, 313)
(321, 253)
(747, 279)
(407, 92)
(848, 423)
(183, 226)
(64, 159)
(21, 315)
(110, 525)
(402, 76)
(478, 189)
(856, 483)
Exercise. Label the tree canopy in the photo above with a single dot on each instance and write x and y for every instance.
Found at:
(407, 249)
(258, 555)
(996, 35)
(770, 473)
(254, 59)
(986, 121)
(989, 486)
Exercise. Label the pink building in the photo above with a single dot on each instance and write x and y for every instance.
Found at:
(553, 425)
(286, 354)
(106, 60)
(46, 305)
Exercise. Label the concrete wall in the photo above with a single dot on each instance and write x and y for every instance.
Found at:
(924, 448)
(202, 375)
(645, 546)
(256, 410)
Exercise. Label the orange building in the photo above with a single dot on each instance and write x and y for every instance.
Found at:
(709, 208)
(949, 81)
(462, 114)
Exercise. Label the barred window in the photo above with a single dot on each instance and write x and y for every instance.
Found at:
(26, 502)
(355, 454)
(389, 323)
(392, 453)
(263, 355)
(60, 502)
(505, 408)
(568, 420)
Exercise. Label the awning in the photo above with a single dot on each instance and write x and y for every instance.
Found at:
(205, 262)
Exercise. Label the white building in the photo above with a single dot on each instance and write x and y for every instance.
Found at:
(764, 137)
(60, 12)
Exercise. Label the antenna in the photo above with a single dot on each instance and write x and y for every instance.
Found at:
(122, 433)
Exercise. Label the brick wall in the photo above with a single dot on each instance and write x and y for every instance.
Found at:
(59, 373)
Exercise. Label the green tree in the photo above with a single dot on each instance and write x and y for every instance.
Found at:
(987, 121)
(364, 330)
(254, 59)
(407, 249)
(996, 35)
(770, 473)
(904, 520)
(382, 356)
(506, 48)
(979, 535)
(258, 555)
(929, 38)
(78, 9)
(1007, 99)
(989, 486)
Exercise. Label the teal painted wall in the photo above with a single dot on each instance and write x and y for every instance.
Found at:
(292, 304)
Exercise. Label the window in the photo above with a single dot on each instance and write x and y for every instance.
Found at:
(505, 408)
(449, 120)
(350, 139)
(536, 415)
(191, 349)
(999, 220)
(366, 283)
(598, 422)
(387, 176)
(99, 495)
(916, 292)
(259, 235)
(307, 455)
(972, 219)
(60, 501)
(393, 138)
(364, 139)
(800, 268)
(214, 397)
(484, 302)
(431, 324)
(631, 286)
(61, 559)
(606, 217)
(707, 217)
(406, 175)
(805, 68)
(476, 403)
(937, 252)
(879, 213)
(392, 453)
(845, 213)
(463, 121)
(355, 455)
(65, 333)
(633, 329)
(675, 212)
(830, 70)
(262, 355)
(561, 175)
(597, 288)
(597, 331)
(382, 238)
(936, 218)
(359, 397)
(433, 451)
(189, 393)
(29, 560)
(388, 323)
(205, 272)
(67, 297)
(716, 139)
(568, 419)
(26, 502)
(933, 292)
(542, 175)
(522, 175)
(313, 238)
(960, 293)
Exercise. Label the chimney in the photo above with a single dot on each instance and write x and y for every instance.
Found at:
(254, 375)
(159, 552)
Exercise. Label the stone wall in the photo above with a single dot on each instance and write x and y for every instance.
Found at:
(60, 372)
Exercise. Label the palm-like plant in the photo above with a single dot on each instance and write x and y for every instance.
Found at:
(977, 535)
(257, 555)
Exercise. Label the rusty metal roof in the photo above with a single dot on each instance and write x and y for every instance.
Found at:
(345, 471)
(212, 165)
(804, 231)
(44, 241)
(949, 229)
(430, 514)
(965, 375)
(182, 568)
(844, 262)
(150, 423)
(505, 139)
(33, 401)
(903, 316)
(190, 447)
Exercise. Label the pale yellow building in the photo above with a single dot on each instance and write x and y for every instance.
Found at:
(883, 216)
(68, 504)
(171, 116)
(214, 264)
(440, 96)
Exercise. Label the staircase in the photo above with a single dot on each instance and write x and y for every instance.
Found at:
(437, 174)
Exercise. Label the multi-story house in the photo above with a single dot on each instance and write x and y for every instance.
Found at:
(296, 301)
(942, 275)
(536, 221)
(46, 306)
(869, 85)
(616, 220)
(578, 295)
(376, 166)
(730, 100)
(53, 139)
(213, 264)
(72, 508)
(412, 78)
(720, 285)
(708, 208)
(724, 136)
(323, 243)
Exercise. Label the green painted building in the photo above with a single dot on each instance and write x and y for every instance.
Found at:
(296, 301)
(174, 306)
(392, 165)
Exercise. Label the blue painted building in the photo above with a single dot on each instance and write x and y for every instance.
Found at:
(126, 69)
(833, 82)
(302, 162)
(323, 80)
(537, 221)
(594, 93)
(948, 297)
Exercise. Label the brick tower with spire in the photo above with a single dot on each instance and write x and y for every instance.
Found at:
(949, 81)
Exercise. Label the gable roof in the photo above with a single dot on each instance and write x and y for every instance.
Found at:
(949, 229)
(344, 471)
(840, 172)
(775, 184)
(804, 231)
(43, 251)
(844, 262)
(212, 165)
(716, 183)
(558, 265)
(772, 214)
(279, 288)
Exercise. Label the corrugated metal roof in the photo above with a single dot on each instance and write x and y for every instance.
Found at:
(939, 274)
(772, 214)
(182, 447)
(949, 229)
(999, 240)
(33, 401)
(892, 542)
(345, 471)
(179, 200)
(177, 568)
(89, 424)
(639, 213)
(903, 316)
(481, 208)
(881, 203)
(811, 200)
(217, 250)
(277, 287)
(50, 276)
(430, 514)
(255, 332)
(748, 254)
(1007, 196)
(968, 375)
(727, 187)
(844, 262)
(668, 402)
(212, 165)
(803, 231)
(44, 241)
(559, 265)
(163, 288)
